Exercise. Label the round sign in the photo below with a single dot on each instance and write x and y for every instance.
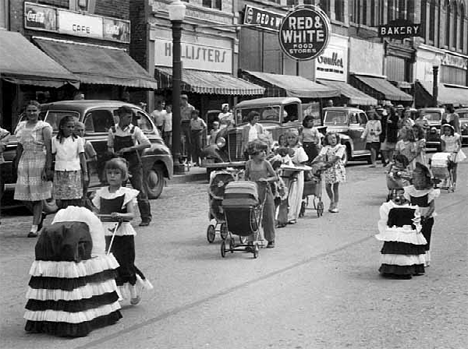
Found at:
(304, 33)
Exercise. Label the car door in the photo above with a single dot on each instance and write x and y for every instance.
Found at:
(357, 123)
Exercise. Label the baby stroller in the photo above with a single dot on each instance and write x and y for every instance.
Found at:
(313, 186)
(216, 189)
(441, 166)
(243, 213)
(398, 176)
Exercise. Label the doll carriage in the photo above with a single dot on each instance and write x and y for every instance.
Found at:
(397, 177)
(441, 165)
(216, 188)
(243, 215)
(313, 187)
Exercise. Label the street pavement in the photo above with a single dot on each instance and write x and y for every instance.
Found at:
(319, 288)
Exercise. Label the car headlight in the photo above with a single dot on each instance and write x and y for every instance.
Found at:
(433, 130)
(221, 142)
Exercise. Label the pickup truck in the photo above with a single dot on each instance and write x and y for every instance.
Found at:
(277, 115)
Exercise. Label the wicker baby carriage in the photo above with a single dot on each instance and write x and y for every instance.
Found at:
(441, 167)
(313, 187)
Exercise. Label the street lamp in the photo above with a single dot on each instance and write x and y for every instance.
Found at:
(176, 16)
(435, 81)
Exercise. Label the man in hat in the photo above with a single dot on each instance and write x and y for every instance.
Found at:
(225, 117)
(185, 116)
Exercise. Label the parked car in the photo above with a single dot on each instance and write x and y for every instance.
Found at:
(98, 116)
(434, 117)
(349, 123)
(277, 115)
(463, 114)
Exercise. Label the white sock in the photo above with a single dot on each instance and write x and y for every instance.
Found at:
(34, 228)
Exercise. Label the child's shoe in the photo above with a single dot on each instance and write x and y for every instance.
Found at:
(135, 300)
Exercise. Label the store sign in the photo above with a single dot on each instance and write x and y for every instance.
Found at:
(116, 30)
(332, 63)
(80, 25)
(194, 56)
(40, 17)
(304, 33)
(400, 29)
(262, 18)
(454, 61)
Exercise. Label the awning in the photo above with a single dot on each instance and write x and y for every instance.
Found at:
(379, 88)
(208, 82)
(23, 63)
(447, 94)
(355, 96)
(101, 65)
(289, 85)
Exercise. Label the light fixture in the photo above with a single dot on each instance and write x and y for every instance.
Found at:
(177, 11)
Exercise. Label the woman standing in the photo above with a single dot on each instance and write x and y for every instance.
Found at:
(252, 131)
(34, 163)
(296, 186)
(371, 135)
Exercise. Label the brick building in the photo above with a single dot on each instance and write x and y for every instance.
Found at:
(88, 38)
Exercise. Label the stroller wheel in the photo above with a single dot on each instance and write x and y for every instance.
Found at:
(210, 233)
(223, 249)
(232, 244)
(255, 251)
(223, 231)
(320, 208)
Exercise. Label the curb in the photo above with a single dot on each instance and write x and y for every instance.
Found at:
(189, 177)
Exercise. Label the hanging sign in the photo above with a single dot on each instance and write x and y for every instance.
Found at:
(400, 29)
(304, 33)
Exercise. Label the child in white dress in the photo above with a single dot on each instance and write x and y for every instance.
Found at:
(116, 207)
(451, 143)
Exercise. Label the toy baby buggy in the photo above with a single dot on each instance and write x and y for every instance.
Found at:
(441, 167)
(216, 188)
(243, 214)
(398, 175)
(313, 187)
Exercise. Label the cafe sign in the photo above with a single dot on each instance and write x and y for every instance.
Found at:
(51, 19)
(304, 33)
(400, 29)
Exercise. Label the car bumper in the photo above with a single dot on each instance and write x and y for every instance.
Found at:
(211, 164)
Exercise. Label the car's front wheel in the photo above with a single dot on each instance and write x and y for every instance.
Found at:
(154, 182)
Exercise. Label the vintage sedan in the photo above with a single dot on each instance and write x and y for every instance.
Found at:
(434, 116)
(463, 114)
(349, 123)
(99, 116)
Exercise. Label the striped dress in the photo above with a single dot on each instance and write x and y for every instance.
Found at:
(30, 186)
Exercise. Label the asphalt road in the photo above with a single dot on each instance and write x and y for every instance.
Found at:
(319, 288)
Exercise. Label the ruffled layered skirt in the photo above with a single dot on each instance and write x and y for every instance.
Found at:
(403, 252)
(71, 299)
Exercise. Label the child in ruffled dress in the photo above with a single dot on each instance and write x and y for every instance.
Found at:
(116, 207)
(423, 194)
(403, 251)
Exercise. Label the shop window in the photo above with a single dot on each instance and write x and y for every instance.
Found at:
(424, 18)
(402, 13)
(3, 13)
(432, 16)
(82, 5)
(325, 6)
(216, 4)
(455, 20)
(339, 10)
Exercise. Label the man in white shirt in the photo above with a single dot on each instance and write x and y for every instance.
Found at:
(127, 140)
(158, 115)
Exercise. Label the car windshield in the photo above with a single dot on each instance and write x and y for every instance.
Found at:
(432, 116)
(266, 114)
(463, 114)
(54, 117)
(335, 118)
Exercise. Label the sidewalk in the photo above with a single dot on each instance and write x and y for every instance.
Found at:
(195, 174)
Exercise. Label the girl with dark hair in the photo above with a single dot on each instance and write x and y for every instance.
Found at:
(333, 153)
(407, 146)
(451, 143)
(310, 138)
(452, 118)
(33, 163)
(70, 164)
(118, 202)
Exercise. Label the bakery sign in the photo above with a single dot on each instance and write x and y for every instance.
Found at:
(400, 29)
(47, 18)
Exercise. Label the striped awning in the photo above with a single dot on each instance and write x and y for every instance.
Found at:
(447, 94)
(205, 82)
(354, 96)
(379, 88)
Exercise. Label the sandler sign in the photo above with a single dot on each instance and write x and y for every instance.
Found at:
(304, 33)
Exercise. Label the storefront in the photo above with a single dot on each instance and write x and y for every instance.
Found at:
(399, 62)
(332, 71)
(366, 68)
(451, 73)
(92, 47)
